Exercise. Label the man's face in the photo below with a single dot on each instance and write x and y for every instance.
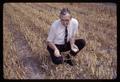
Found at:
(65, 19)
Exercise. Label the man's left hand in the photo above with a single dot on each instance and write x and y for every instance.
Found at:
(74, 48)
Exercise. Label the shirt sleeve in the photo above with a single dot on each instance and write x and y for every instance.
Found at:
(51, 34)
(75, 31)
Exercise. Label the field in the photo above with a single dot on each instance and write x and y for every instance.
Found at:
(25, 30)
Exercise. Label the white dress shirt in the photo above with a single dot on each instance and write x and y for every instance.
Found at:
(57, 31)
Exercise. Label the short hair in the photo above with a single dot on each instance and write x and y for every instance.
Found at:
(65, 11)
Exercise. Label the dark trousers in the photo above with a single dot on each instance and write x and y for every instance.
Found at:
(80, 43)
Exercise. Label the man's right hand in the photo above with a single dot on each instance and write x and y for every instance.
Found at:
(57, 53)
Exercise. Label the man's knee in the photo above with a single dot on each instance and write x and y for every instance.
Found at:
(80, 43)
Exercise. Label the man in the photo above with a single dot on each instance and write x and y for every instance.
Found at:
(61, 37)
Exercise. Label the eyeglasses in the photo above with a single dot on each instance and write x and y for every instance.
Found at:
(65, 20)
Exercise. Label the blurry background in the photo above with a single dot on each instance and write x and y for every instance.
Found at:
(25, 30)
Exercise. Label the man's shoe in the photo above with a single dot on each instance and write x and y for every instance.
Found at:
(68, 59)
(73, 53)
(68, 56)
(70, 62)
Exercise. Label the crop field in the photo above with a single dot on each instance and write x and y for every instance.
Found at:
(25, 30)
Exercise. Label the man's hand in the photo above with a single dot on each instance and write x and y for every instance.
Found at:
(74, 48)
(57, 53)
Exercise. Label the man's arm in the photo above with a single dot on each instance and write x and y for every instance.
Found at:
(72, 43)
(73, 38)
(50, 40)
(56, 51)
(51, 45)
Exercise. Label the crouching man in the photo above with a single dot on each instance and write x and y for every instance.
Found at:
(61, 37)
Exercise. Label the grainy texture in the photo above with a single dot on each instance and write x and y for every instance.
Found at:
(25, 29)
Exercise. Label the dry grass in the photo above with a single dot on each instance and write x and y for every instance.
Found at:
(25, 28)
